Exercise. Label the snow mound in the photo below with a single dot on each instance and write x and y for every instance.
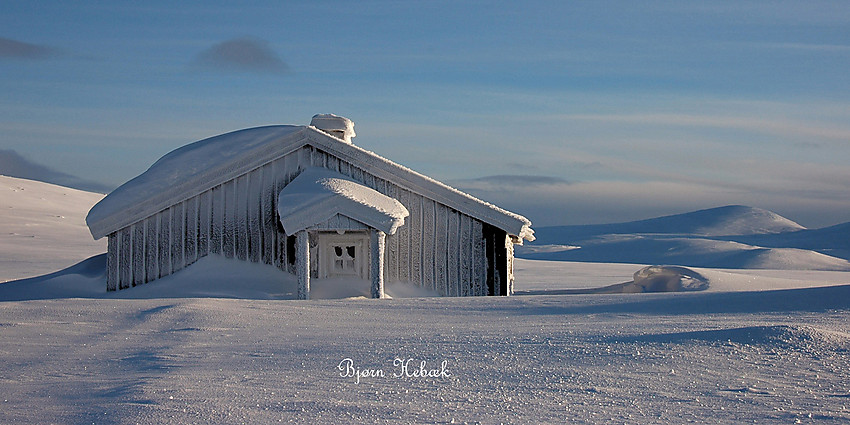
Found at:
(668, 279)
(647, 279)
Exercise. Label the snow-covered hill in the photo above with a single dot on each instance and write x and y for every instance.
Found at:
(726, 237)
(43, 228)
(721, 221)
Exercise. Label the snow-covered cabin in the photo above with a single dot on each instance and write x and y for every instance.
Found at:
(308, 201)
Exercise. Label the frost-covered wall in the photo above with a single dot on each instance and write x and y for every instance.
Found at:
(438, 247)
(237, 219)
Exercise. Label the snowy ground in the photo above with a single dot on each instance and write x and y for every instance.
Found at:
(216, 344)
(754, 357)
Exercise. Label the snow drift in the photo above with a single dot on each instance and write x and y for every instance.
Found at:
(668, 279)
(213, 276)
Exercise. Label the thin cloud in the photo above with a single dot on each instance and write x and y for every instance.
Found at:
(242, 55)
(502, 181)
(837, 48)
(741, 123)
(14, 49)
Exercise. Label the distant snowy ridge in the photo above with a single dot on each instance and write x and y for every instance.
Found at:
(12, 164)
(727, 237)
(740, 220)
(721, 221)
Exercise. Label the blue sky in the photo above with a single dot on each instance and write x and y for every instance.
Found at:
(566, 112)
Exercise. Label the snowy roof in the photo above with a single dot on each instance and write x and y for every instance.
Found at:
(317, 194)
(183, 173)
(200, 166)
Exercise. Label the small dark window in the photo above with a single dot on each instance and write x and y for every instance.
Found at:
(350, 250)
(338, 251)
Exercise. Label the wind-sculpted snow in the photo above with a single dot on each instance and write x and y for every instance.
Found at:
(647, 279)
(669, 279)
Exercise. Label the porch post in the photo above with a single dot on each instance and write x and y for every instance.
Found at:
(377, 244)
(302, 264)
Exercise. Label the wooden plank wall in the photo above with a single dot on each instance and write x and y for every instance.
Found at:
(438, 247)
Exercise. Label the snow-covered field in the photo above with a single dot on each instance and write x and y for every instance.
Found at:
(749, 357)
(221, 344)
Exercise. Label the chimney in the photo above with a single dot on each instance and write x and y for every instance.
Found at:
(337, 126)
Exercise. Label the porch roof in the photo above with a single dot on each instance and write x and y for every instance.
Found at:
(317, 194)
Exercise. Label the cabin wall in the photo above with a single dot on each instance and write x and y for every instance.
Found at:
(437, 248)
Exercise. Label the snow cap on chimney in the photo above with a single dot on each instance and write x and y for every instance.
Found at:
(335, 125)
